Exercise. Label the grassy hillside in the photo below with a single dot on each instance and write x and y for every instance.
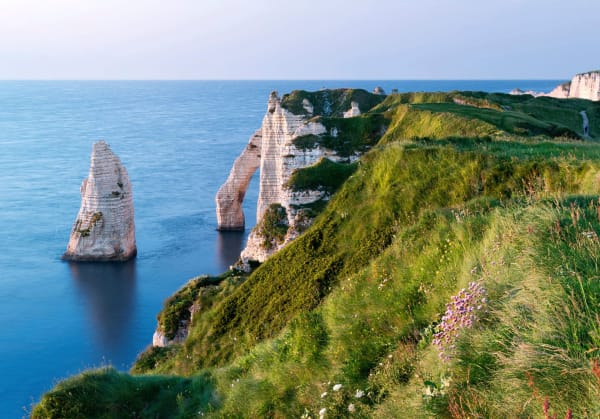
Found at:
(455, 273)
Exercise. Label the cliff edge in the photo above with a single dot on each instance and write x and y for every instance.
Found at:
(104, 229)
(298, 131)
(581, 86)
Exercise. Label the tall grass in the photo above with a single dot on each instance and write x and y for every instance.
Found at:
(343, 320)
(106, 393)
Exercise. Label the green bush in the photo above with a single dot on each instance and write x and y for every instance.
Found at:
(325, 176)
(273, 226)
(106, 393)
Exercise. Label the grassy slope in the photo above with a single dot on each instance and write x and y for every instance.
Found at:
(355, 299)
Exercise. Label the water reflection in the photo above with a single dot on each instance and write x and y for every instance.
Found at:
(109, 291)
(229, 247)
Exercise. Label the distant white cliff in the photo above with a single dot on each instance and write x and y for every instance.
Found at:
(104, 229)
(581, 86)
(584, 86)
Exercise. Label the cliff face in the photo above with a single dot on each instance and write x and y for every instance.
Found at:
(278, 159)
(104, 229)
(272, 149)
(586, 86)
(582, 86)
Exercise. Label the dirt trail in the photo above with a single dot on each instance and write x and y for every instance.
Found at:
(586, 124)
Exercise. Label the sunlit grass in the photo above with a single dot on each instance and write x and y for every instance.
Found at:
(343, 320)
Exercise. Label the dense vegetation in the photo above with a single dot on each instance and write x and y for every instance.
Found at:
(273, 226)
(329, 103)
(454, 273)
(325, 175)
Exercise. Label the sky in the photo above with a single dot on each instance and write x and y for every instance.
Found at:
(301, 39)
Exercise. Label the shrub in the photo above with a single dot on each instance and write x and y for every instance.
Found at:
(273, 226)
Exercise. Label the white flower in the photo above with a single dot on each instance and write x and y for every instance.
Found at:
(337, 387)
(359, 394)
(351, 408)
(322, 412)
(323, 394)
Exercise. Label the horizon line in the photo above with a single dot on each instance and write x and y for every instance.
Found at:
(279, 79)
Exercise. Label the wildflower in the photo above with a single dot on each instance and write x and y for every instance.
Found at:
(546, 406)
(351, 408)
(322, 412)
(323, 394)
(337, 387)
(461, 312)
(359, 394)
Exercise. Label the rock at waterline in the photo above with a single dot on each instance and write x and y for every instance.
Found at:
(104, 229)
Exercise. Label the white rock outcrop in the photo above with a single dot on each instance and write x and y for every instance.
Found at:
(104, 229)
(230, 196)
(586, 86)
(378, 90)
(353, 111)
(159, 338)
(517, 92)
(272, 150)
(581, 86)
(308, 107)
(279, 159)
(560, 92)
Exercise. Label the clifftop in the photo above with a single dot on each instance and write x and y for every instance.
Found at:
(328, 102)
(302, 129)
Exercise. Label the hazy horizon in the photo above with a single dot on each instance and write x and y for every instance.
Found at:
(309, 40)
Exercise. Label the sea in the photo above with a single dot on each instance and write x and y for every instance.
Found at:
(178, 140)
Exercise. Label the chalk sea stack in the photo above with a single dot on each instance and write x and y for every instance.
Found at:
(104, 229)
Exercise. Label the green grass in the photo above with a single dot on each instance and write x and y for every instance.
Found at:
(394, 186)
(176, 308)
(409, 123)
(356, 134)
(450, 194)
(325, 176)
(510, 121)
(106, 393)
(486, 114)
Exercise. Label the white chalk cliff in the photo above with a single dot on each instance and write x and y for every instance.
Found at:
(581, 86)
(231, 195)
(271, 148)
(586, 86)
(104, 229)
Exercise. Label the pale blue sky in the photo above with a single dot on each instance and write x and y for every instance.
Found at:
(301, 39)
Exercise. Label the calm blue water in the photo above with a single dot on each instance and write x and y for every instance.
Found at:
(178, 141)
